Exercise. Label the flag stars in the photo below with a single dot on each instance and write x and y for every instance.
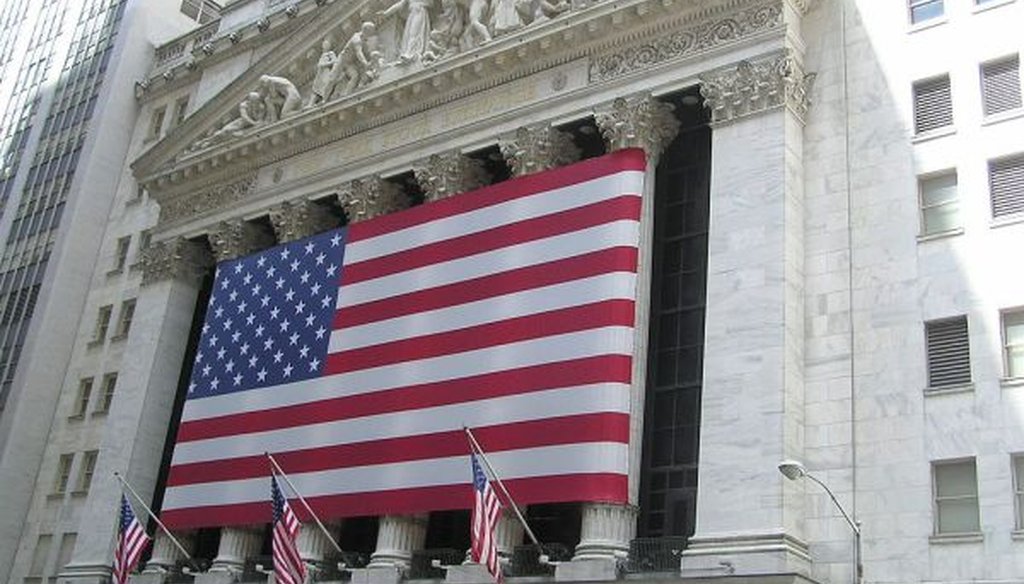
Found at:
(229, 366)
(336, 240)
(315, 289)
(314, 365)
(285, 253)
(206, 370)
(325, 302)
(304, 278)
(261, 375)
(279, 283)
(219, 312)
(206, 327)
(191, 387)
(256, 290)
(247, 279)
(252, 362)
(213, 341)
(331, 269)
(220, 353)
(250, 319)
(320, 332)
(238, 379)
(227, 324)
(238, 268)
(274, 312)
(271, 271)
(261, 261)
(284, 325)
(235, 336)
(268, 344)
(244, 349)
(224, 284)
(278, 356)
(310, 319)
(264, 301)
(300, 307)
(233, 296)
(294, 265)
(288, 370)
(242, 306)
(294, 339)
(304, 351)
(199, 357)
(309, 247)
(259, 331)
(215, 383)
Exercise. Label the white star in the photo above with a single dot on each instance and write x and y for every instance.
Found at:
(214, 383)
(336, 240)
(320, 332)
(325, 302)
(294, 265)
(261, 261)
(227, 324)
(315, 288)
(235, 336)
(220, 354)
(278, 356)
(310, 320)
(265, 300)
(267, 344)
(309, 247)
(233, 296)
(294, 339)
(242, 307)
(261, 375)
(274, 312)
(320, 259)
(256, 290)
(219, 312)
(284, 325)
(279, 283)
(285, 253)
(331, 269)
(191, 387)
(213, 341)
(259, 331)
(252, 361)
(224, 284)
(304, 278)
(238, 268)
(300, 307)
(289, 295)
(206, 327)
(206, 371)
(271, 271)
(247, 279)
(244, 349)
(250, 319)
(238, 379)
(199, 357)
(229, 366)
(314, 364)
(304, 351)
(288, 370)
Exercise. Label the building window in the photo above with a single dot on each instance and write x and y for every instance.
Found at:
(1000, 86)
(180, 110)
(1006, 186)
(87, 470)
(156, 123)
(102, 323)
(940, 206)
(933, 104)
(121, 253)
(82, 399)
(124, 323)
(949, 354)
(1018, 490)
(60, 483)
(67, 546)
(956, 497)
(39, 555)
(109, 385)
(1013, 343)
(922, 10)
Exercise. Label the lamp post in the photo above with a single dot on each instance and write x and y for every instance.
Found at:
(794, 470)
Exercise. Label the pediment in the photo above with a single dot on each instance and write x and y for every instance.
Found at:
(303, 94)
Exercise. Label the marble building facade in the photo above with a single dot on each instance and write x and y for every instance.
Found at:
(283, 119)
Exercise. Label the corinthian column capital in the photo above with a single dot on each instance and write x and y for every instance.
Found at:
(237, 237)
(535, 148)
(370, 197)
(637, 121)
(450, 173)
(174, 259)
(293, 220)
(751, 87)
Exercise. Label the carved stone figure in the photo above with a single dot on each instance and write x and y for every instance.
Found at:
(444, 38)
(546, 10)
(508, 15)
(359, 59)
(417, 27)
(323, 83)
(281, 97)
(476, 31)
(251, 112)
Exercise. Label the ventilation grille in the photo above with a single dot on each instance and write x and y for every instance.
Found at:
(1006, 185)
(1000, 86)
(949, 355)
(933, 105)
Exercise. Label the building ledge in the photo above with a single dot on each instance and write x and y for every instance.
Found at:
(933, 134)
(1011, 382)
(956, 538)
(951, 389)
(940, 234)
(1003, 117)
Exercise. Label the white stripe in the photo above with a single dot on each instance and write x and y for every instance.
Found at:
(584, 399)
(616, 340)
(627, 182)
(621, 285)
(617, 233)
(590, 457)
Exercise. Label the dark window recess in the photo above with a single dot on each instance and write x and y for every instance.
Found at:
(668, 480)
(949, 354)
(933, 104)
(1000, 86)
(448, 529)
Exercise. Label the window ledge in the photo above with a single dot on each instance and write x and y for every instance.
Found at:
(79, 493)
(1014, 219)
(990, 5)
(118, 337)
(94, 343)
(54, 496)
(99, 413)
(115, 272)
(76, 417)
(949, 389)
(1003, 116)
(1017, 535)
(1011, 382)
(926, 24)
(933, 134)
(940, 234)
(953, 538)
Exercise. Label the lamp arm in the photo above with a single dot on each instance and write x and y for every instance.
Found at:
(853, 524)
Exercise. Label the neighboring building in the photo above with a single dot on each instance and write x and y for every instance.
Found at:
(827, 273)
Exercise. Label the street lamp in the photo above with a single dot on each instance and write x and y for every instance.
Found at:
(793, 470)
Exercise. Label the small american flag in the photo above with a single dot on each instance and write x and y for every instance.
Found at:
(288, 566)
(131, 541)
(486, 511)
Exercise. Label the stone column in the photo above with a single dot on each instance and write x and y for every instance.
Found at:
(397, 537)
(294, 220)
(166, 555)
(313, 545)
(370, 197)
(450, 173)
(749, 517)
(508, 533)
(237, 237)
(137, 423)
(539, 147)
(237, 544)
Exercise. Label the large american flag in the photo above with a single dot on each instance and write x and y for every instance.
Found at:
(131, 541)
(288, 566)
(358, 355)
(486, 511)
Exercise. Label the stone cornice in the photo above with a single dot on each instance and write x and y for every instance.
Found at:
(590, 31)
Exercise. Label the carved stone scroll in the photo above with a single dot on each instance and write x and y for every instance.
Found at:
(753, 87)
(638, 121)
(450, 173)
(174, 259)
(370, 197)
(237, 237)
(294, 220)
(536, 148)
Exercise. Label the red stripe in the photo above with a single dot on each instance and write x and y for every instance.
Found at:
(626, 207)
(622, 160)
(597, 427)
(543, 324)
(605, 261)
(597, 487)
(602, 368)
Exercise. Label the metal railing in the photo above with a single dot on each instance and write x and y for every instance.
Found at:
(526, 559)
(654, 554)
(422, 564)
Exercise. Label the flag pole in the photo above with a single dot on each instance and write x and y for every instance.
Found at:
(309, 509)
(153, 516)
(476, 448)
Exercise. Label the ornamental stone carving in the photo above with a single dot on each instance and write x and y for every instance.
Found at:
(371, 197)
(174, 259)
(688, 41)
(535, 148)
(450, 173)
(294, 220)
(638, 121)
(237, 237)
(194, 204)
(753, 87)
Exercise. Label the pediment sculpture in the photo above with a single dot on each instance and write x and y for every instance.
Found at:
(426, 31)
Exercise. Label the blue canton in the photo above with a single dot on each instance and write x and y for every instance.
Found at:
(277, 499)
(269, 317)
